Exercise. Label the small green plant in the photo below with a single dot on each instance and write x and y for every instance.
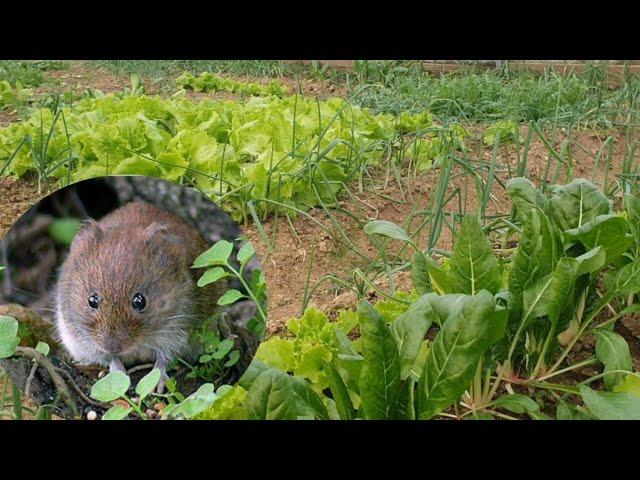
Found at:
(217, 260)
(114, 386)
(14, 96)
(217, 354)
(506, 129)
(208, 81)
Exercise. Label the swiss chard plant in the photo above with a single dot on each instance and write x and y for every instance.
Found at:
(501, 325)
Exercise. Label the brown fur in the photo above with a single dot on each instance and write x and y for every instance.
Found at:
(138, 248)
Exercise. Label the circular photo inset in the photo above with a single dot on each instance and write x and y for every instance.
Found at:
(128, 297)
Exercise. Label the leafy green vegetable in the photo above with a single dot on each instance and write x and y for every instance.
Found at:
(506, 128)
(473, 264)
(456, 351)
(517, 403)
(577, 203)
(271, 397)
(612, 350)
(611, 405)
(409, 331)
(380, 376)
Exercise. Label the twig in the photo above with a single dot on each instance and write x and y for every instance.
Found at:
(57, 380)
(79, 390)
(32, 373)
(137, 368)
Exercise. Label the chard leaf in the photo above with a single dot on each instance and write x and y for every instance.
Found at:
(536, 256)
(271, 397)
(439, 278)
(630, 384)
(473, 265)
(409, 331)
(420, 273)
(613, 351)
(454, 355)
(524, 196)
(548, 295)
(577, 203)
(611, 405)
(517, 403)
(606, 231)
(380, 375)
(339, 393)
(308, 401)
(591, 261)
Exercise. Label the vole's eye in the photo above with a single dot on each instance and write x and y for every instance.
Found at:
(138, 302)
(94, 301)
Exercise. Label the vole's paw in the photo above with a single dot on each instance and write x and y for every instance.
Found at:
(117, 366)
(163, 380)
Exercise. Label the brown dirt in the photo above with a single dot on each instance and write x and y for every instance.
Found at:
(286, 267)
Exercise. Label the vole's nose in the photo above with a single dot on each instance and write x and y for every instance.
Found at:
(113, 344)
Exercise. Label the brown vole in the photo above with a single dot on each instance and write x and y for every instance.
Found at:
(126, 293)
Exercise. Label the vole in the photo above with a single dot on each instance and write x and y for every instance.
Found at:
(126, 293)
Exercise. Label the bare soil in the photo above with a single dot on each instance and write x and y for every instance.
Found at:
(304, 250)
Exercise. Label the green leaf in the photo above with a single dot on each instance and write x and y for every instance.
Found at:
(420, 273)
(64, 230)
(111, 386)
(339, 393)
(473, 266)
(387, 229)
(117, 412)
(212, 275)
(536, 256)
(633, 214)
(516, 403)
(229, 297)
(409, 331)
(591, 261)
(613, 351)
(245, 253)
(308, 401)
(625, 282)
(43, 348)
(277, 352)
(611, 405)
(218, 254)
(234, 356)
(8, 336)
(271, 397)
(147, 383)
(548, 296)
(224, 347)
(455, 353)
(380, 375)
(577, 203)
(630, 384)
(255, 368)
(194, 404)
(524, 196)
(440, 279)
(606, 231)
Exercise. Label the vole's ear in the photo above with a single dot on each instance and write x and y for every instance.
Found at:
(157, 232)
(157, 235)
(90, 231)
